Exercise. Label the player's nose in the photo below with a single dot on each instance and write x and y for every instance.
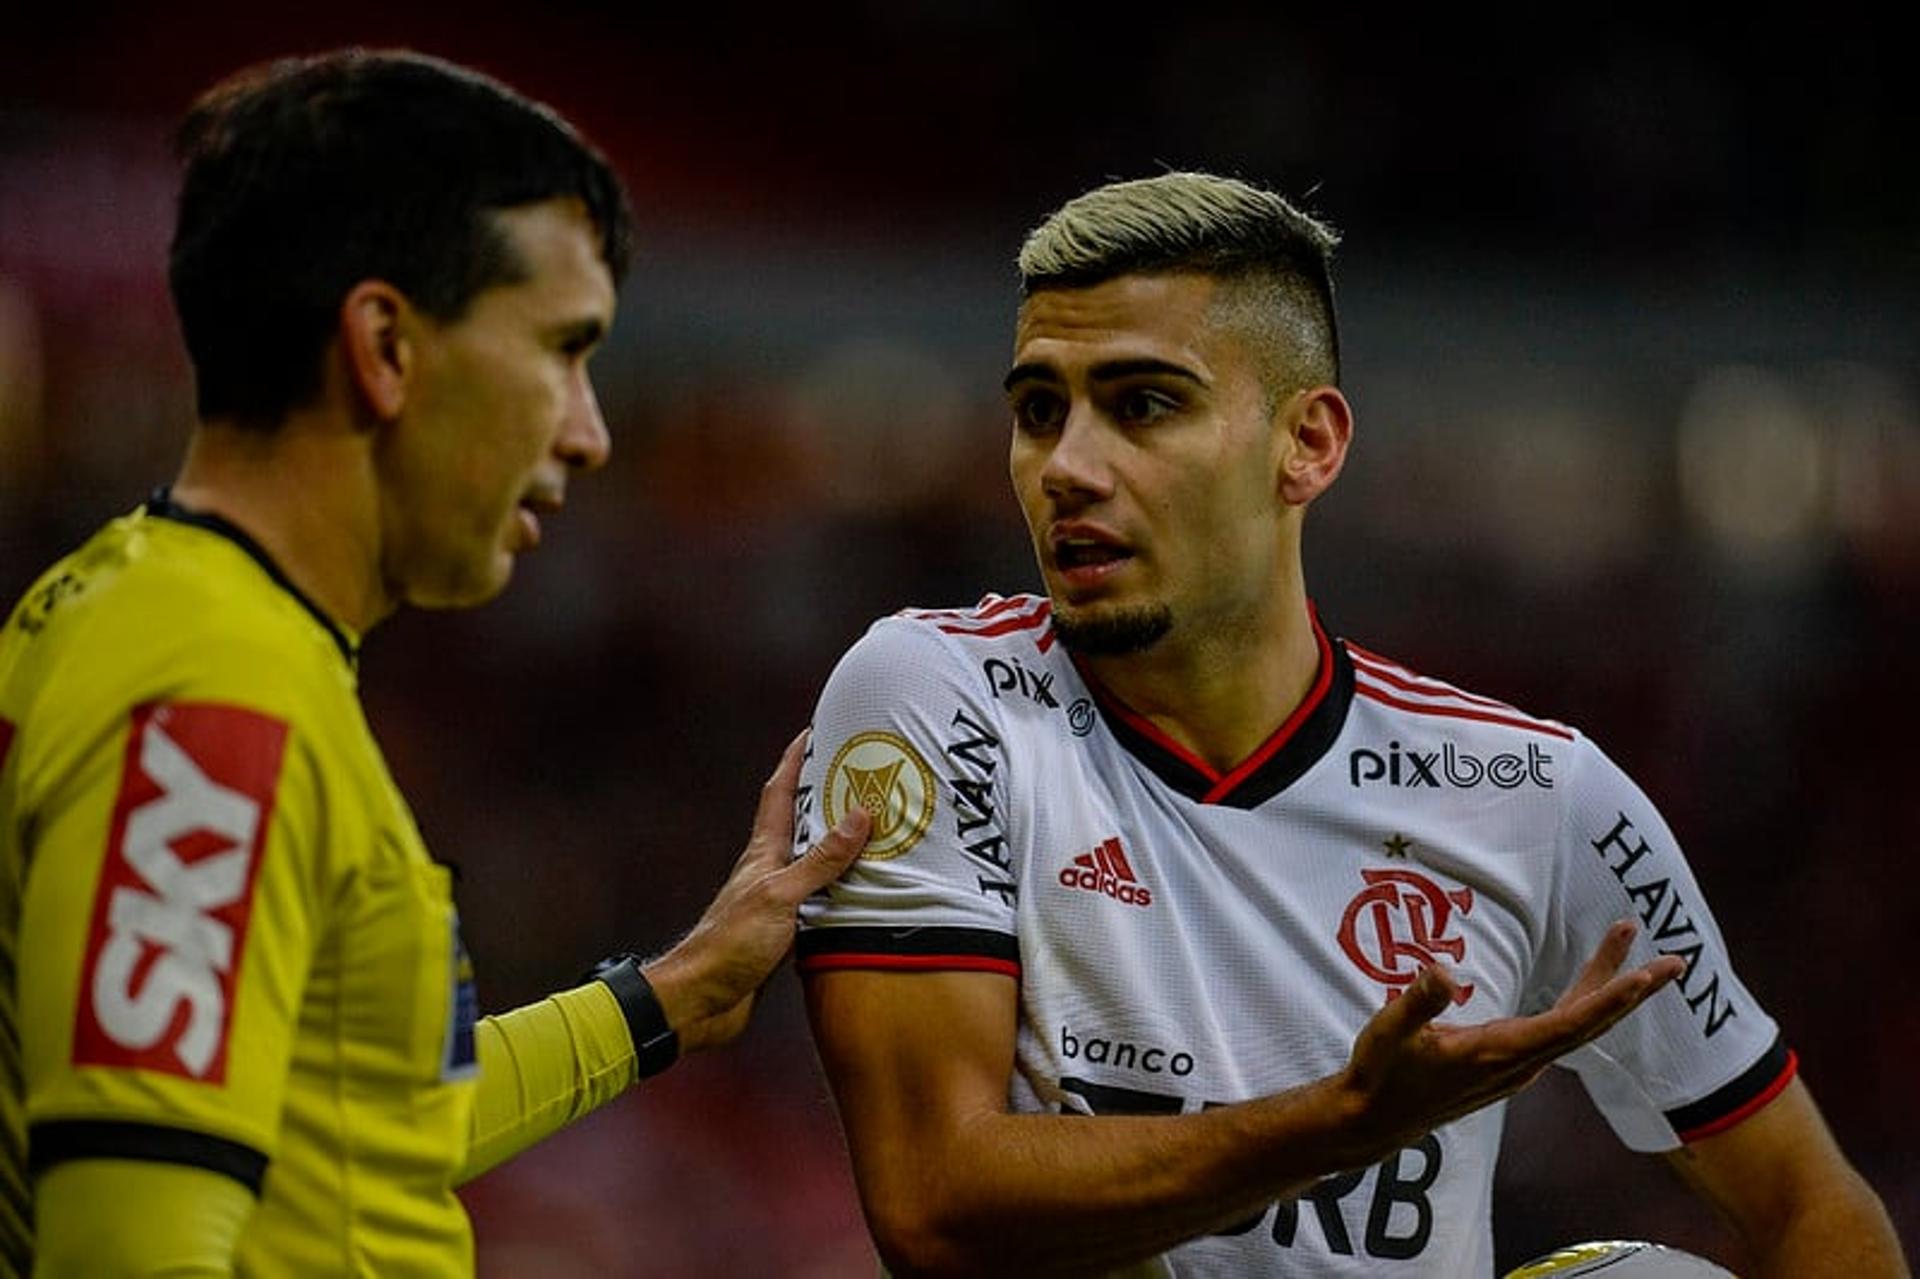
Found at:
(1078, 465)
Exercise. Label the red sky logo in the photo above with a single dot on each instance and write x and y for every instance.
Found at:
(176, 890)
(1106, 870)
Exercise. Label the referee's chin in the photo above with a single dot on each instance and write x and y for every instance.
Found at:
(462, 586)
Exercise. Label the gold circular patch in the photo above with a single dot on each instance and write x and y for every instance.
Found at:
(882, 773)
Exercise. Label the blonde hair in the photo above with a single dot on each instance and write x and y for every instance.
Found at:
(1277, 257)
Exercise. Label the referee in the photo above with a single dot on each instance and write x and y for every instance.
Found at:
(238, 1029)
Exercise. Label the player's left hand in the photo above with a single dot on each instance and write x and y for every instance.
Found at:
(1408, 1075)
(707, 983)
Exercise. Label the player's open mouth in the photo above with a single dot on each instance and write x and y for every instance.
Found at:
(1073, 555)
(1086, 560)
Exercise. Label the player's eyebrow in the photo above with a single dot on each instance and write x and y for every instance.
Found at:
(1110, 371)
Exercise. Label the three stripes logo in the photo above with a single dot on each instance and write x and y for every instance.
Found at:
(1106, 870)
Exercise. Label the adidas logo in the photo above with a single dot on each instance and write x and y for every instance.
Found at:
(1106, 870)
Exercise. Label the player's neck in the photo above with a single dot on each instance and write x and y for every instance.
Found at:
(1222, 693)
(301, 492)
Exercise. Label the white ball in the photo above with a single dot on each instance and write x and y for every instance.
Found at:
(1621, 1259)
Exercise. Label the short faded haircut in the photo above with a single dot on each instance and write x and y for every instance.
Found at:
(1276, 259)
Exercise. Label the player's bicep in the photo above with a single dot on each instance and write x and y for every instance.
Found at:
(912, 1058)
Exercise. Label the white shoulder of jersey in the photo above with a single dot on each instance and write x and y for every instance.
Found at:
(1389, 684)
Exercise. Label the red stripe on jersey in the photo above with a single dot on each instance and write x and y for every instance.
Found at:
(1006, 625)
(1457, 712)
(6, 741)
(989, 606)
(985, 609)
(1118, 856)
(916, 963)
(169, 924)
(1765, 1095)
(1384, 671)
(1282, 735)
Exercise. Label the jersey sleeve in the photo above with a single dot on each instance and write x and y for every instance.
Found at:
(169, 917)
(904, 730)
(1699, 1055)
(124, 1217)
(544, 1065)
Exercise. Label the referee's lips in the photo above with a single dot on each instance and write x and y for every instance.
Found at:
(540, 500)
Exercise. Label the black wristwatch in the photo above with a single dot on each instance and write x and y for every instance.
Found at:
(655, 1044)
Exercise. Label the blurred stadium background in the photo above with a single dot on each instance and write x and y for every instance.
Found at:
(1631, 315)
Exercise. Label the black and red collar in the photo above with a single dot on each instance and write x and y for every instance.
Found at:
(1294, 747)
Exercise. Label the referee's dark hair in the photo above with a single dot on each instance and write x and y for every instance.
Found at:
(305, 176)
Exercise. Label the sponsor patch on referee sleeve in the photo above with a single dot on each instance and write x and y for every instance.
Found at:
(170, 914)
(882, 773)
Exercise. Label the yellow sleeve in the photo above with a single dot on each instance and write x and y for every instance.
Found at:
(124, 1217)
(544, 1066)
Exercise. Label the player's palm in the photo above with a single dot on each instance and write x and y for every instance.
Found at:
(1409, 1075)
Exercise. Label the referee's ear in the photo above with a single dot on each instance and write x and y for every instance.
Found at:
(1313, 429)
(376, 347)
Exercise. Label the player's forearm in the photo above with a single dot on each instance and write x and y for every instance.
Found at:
(1846, 1236)
(1067, 1194)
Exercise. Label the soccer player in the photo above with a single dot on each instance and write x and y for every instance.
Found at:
(239, 1024)
(1284, 914)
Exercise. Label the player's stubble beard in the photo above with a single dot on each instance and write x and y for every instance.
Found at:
(1112, 632)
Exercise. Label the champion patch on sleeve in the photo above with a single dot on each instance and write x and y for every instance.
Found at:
(170, 914)
(882, 773)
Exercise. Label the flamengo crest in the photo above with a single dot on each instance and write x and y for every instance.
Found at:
(1399, 923)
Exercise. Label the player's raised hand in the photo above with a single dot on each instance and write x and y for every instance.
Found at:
(1407, 1075)
(707, 983)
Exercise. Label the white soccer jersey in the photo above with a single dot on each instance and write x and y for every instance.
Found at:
(1183, 937)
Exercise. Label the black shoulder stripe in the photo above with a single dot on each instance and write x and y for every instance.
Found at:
(63, 1140)
(1735, 1100)
(983, 942)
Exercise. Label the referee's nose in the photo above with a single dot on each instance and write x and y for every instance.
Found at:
(583, 443)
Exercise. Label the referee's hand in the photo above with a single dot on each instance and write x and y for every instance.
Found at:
(707, 983)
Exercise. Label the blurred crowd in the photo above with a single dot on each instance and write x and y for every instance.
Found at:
(1662, 487)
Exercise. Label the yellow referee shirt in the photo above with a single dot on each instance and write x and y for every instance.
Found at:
(233, 951)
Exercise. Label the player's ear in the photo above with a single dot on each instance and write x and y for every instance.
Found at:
(1314, 428)
(378, 346)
